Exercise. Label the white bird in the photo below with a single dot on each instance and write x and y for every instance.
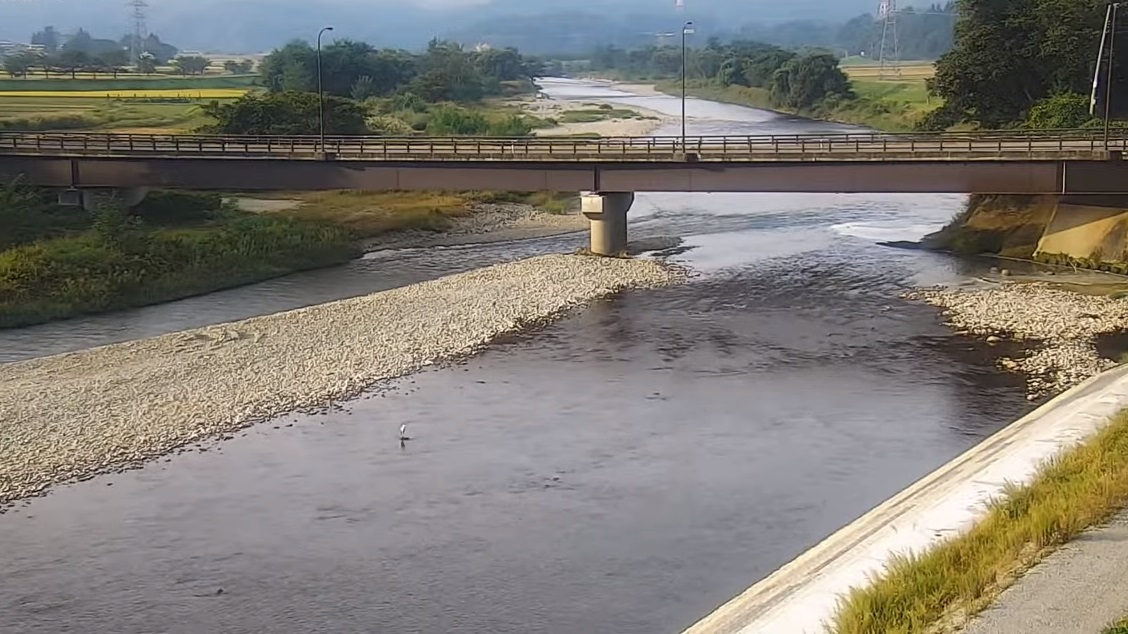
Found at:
(403, 431)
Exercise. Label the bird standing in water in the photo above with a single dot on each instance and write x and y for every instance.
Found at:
(403, 433)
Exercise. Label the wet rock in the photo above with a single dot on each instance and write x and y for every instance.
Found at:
(1059, 325)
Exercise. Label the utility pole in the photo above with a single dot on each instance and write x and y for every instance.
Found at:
(321, 91)
(889, 52)
(687, 29)
(1113, 8)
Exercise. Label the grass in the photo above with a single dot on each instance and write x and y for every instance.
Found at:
(369, 214)
(160, 93)
(84, 113)
(1120, 627)
(891, 105)
(1081, 488)
(144, 82)
(590, 115)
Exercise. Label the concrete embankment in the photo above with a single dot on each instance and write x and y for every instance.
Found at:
(1058, 328)
(108, 408)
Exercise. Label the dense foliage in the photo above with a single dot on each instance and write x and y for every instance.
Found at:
(444, 72)
(64, 262)
(285, 113)
(1024, 61)
(797, 81)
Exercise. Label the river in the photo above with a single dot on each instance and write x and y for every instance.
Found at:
(624, 470)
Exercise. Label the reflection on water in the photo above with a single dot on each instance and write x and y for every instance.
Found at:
(624, 470)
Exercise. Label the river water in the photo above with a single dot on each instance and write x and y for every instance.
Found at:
(624, 470)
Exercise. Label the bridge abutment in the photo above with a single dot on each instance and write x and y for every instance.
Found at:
(607, 212)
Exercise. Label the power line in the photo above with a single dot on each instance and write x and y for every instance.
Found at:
(138, 15)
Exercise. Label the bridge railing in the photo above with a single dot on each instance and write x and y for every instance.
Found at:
(755, 147)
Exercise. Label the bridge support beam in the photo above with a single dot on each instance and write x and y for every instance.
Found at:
(607, 212)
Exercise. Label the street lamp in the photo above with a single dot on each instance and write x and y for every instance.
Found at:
(687, 29)
(1108, 34)
(320, 92)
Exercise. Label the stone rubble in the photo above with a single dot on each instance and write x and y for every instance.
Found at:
(109, 408)
(1060, 327)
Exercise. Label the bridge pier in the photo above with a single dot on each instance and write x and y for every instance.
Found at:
(607, 212)
(88, 198)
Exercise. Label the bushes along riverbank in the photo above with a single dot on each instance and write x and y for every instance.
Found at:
(62, 262)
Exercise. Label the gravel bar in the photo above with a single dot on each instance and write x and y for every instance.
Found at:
(1060, 325)
(113, 407)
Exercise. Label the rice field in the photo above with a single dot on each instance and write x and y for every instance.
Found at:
(160, 93)
(908, 71)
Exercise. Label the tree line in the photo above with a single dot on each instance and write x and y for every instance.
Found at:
(799, 81)
(381, 91)
(56, 54)
(1026, 63)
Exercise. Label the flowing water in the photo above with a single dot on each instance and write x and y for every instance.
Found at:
(624, 470)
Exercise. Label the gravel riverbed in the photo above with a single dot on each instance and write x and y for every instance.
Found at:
(1060, 327)
(113, 407)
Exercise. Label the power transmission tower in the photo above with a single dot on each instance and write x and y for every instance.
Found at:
(889, 53)
(139, 34)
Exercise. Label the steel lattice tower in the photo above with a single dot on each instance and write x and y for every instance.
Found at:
(889, 52)
(139, 34)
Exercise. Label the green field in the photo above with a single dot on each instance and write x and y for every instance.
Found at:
(41, 114)
(148, 82)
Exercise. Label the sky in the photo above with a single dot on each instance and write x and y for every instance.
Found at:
(247, 26)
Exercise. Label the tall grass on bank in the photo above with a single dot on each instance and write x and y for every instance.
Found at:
(1082, 488)
(1120, 627)
(171, 252)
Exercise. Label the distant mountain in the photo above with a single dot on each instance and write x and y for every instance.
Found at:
(245, 26)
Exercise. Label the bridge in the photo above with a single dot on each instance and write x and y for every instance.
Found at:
(1075, 162)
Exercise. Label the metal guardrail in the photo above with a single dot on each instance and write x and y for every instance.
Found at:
(1016, 145)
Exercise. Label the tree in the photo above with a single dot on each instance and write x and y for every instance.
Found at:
(71, 61)
(805, 82)
(284, 113)
(147, 64)
(238, 67)
(113, 61)
(20, 64)
(1008, 56)
(191, 64)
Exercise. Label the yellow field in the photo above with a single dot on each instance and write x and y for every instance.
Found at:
(908, 72)
(203, 93)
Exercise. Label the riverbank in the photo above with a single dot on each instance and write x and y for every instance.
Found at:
(110, 408)
(58, 263)
(587, 118)
(399, 220)
(888, 106)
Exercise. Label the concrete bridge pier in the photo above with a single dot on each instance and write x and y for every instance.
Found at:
(607, 212)
(88, 198)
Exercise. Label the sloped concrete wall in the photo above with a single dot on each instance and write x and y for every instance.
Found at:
(1084, 228)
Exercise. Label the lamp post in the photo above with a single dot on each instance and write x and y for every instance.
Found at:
(1113, 9)
(320, 92)
(687, 29)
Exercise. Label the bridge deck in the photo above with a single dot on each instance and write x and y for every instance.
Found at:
(984, 146)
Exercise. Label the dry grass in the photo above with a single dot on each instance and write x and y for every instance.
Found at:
(160, 93)
(908, 71)
(370, 214)
(936, 590)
